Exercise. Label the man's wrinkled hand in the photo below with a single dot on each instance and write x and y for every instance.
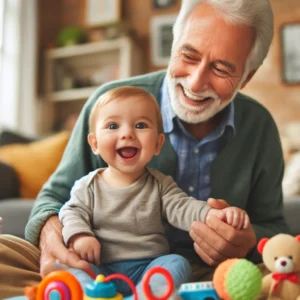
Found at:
(53, 249)
(217, 241)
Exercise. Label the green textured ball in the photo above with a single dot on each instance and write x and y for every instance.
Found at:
(243, 280)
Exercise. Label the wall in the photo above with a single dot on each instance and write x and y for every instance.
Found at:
(138, 14)
(266, 86)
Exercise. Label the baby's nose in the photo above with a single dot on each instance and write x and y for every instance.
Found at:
(127, 133)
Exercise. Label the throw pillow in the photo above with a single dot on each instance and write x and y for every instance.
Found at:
(35, 162)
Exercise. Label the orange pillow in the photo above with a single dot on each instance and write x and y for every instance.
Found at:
(35, 162)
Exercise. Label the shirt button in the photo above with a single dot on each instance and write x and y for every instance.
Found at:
(196, 150)
(191, 189)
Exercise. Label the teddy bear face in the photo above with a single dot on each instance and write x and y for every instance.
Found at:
(281, 254)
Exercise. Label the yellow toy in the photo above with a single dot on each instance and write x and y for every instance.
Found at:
(281, 255)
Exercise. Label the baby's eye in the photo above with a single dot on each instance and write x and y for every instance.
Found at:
(141, 126)
(113, 126)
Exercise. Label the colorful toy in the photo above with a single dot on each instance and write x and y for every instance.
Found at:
(281, 255)
(234, 279)
(64, 286)
(237, 279)
(198, 290)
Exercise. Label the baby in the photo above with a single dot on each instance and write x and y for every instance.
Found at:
(114, 218)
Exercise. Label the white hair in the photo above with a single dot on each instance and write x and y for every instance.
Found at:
(256, 13)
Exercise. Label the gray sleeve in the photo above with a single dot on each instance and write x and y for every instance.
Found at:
(76, 214)
(178, 208)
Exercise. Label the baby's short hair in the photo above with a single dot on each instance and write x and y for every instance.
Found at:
(123, 92)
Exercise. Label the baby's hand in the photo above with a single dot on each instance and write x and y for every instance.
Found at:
(87, 247)
(237, 217)
(233, 216)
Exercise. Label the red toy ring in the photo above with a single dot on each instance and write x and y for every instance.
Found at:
(146, 285)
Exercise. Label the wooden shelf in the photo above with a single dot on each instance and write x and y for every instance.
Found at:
(85, 49)
(72, 94)
(94, 62)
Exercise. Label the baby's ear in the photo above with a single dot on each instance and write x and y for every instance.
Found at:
(159, 143)
(93, 142)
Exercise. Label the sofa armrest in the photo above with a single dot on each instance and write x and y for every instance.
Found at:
(8, 137)
(9, 183)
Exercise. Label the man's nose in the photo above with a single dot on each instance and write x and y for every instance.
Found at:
(199, 79)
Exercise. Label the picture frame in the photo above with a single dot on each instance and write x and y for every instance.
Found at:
(161, 27)
(101, 12)
(290, 53)
(162, 3)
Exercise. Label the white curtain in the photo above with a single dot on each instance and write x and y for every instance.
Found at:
(18, 97)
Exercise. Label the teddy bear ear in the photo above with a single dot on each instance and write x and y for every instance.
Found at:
(297, 238)
(261, 245)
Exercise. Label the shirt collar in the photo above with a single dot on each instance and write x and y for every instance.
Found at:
(169, 116)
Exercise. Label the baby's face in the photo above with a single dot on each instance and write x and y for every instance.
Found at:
(126, 133)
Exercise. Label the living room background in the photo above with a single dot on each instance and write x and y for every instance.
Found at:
(267, 86)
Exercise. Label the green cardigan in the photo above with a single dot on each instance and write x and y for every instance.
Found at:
(247, 173)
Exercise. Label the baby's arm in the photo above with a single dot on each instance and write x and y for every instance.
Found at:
(234, 216)
(76, 217)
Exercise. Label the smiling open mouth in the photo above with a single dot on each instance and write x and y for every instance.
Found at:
(195, 98)
(127, 152)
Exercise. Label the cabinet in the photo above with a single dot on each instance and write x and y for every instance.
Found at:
(72, 73)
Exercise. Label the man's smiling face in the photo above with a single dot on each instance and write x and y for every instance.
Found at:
(207, 66)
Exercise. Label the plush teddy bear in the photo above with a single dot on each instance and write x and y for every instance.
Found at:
(281, 255)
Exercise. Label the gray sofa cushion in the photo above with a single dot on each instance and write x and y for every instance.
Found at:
(8, 137)
(9, 182)
(15, 214)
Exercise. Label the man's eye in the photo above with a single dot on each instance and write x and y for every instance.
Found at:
(141, 126)
(187, 57)
(220, 71)
(113, 126)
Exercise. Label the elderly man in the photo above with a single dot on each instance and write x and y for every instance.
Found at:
(219, 144)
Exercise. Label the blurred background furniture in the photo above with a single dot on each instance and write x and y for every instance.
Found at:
(14, 210)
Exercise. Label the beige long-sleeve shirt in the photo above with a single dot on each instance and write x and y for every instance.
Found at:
(129, 221)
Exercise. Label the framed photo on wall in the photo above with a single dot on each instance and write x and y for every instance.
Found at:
(290, 53)
(161, 38)
(101, 12)
(162, 3)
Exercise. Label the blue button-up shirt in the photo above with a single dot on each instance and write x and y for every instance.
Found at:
(195, 157)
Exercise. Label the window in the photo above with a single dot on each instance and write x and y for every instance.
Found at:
(1, 28)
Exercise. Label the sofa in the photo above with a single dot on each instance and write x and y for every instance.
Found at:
(15, 211)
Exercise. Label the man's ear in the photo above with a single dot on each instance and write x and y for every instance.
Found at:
(250, 75)
(159, 143)
(93, 142)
